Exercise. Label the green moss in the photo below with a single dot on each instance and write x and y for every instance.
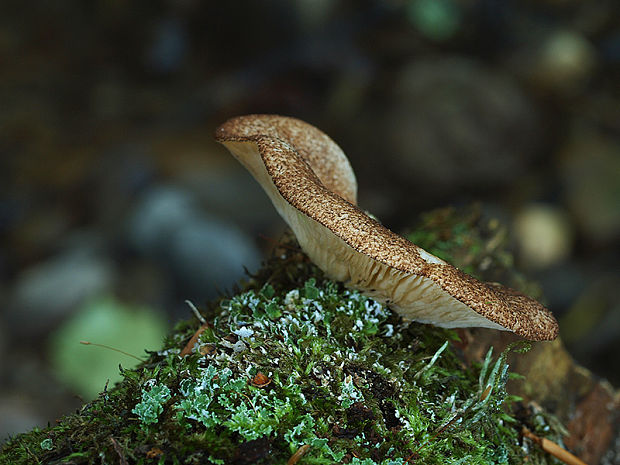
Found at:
(295, 361)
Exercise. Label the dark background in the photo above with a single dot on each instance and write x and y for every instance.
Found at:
(111, 183)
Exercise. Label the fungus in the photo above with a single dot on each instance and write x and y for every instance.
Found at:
(312, 186)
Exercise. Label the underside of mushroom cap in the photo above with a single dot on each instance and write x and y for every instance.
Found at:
(350, 246)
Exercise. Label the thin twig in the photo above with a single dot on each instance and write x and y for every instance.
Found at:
(552, 448)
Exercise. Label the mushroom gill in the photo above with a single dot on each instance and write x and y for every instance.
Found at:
(312, 186)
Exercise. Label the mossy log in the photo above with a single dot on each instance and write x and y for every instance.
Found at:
(293, 368)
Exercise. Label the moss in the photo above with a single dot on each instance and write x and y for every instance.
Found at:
(296, 363)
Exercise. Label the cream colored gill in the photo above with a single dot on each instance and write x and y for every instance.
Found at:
(413, 297)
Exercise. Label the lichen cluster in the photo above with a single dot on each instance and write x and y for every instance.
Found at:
(295, 369)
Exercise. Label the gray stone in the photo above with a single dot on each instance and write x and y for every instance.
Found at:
(233, 194)
(203, 253)
(455, 124)
(47, 292)
(158, 214)
(210, 255)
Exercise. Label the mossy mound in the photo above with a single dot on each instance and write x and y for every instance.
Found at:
(296, 369)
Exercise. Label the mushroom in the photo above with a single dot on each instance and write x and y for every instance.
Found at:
(312, 186)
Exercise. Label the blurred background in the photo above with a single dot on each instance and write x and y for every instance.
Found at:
(116, 204)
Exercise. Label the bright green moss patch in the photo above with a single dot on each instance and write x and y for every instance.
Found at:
(296, 363)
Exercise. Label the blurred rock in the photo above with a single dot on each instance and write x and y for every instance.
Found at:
(435, 19)
(204, 254)
(557, 62)
(455, 124)
(208, 256)
(544, 236)
(157, 215)
(564, 62)
(589, 164)
(233, 194)
(47, 292)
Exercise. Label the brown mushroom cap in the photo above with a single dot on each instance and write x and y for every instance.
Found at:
(312, 185)
(317, 149)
